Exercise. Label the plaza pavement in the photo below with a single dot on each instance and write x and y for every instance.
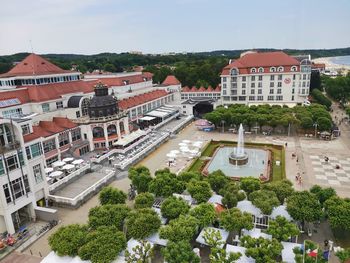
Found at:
(303, 147)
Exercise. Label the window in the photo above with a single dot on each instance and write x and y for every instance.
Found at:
(260, 98)
(241, 98)
(243, 85)
(272, 69)
(293, 85)
(253, 78)
(34, 150)
(37, 173)
(251, 97)
(294, 77)
(224, 86)
(224, 92)
(12, 113)
(18, 189)
(279, 91)
(280, 69)
(49, 145)
(272, 77)
(25, 129)
(45, 107)
(260, 78)
(12, 162)
(252, 85)
(294, 68)
(272, 84)
(279, 84)
(270, 97)
(259, 84)
(243, 92)
(83, 150)
(252, 91)
(279, 97)
(259, 91)
(76, 134)
(303, 91)
(244, 78)
(293, 91)
(253, 70)
(279, 77)
(303, 84)
(144, 108)
(85, 107)
(59, 104)
(103, 144)
(77, 114)
(271, 91)
(261, 70)
(63, 139)
(304, 76)
(293, 97)
(7, 193)
(224, 79)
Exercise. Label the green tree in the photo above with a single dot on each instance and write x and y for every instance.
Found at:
(173, 207)
(199, 190)
(323, 194)
(343, 255)
(324, 124)
(315, 80)
(205, 213)
(103, 245)
(304, 206)
(142, 253)
(144, 200)
(181, 228)
(283, 189)
(188, 176)
(142, 223)
(140, 177)
(112, 196)
(229, 200)
(306, 122)
(281, 229)
(179, 252)
(108, 215)
(109, 67)
(165, 184)
(338, 212)
(261, 249)
(265, 200)
(250, 184)
(67, 240)
(234, 220)
(217, 180)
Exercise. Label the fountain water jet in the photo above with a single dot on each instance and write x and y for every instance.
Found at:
(239, 156)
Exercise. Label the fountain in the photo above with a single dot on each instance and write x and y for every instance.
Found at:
(239, 156)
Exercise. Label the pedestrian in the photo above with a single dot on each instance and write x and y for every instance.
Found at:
(297, 159)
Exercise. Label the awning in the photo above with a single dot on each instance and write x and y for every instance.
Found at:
(157, 113)
(147, 118)
(130, 138)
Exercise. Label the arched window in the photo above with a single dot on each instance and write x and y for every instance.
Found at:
(294, 68)
(85, 106)
(272, 69)
(98, 132)
(280, 69)
(234, 72)
(261, 70)
(253, 70)
(121, 127)
(111, 130)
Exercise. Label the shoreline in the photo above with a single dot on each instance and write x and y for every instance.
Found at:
(331, 65)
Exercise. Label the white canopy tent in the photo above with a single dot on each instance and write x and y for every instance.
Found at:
(287, 251)
(247, 206)
(68, 159)
(130, 138)
(58, 164)
(183, 144)
(68, 167)
(79, 161)
(224, 235)
(186, 141)
(48, 170)
(175, 151)
(237, 249)
(215, 199)
(56, 174)
(281, 211)
(256, 233)
(147, 118)
(171, 155)
(156, 240)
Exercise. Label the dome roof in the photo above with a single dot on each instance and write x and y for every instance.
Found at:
(102, 104)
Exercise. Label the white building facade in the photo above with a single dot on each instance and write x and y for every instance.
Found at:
(273, 78)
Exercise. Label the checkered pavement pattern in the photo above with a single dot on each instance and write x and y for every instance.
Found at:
(326, 173)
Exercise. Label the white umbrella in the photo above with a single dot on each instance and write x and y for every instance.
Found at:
(194, 151)
(79, 161)
(48, 170)
(171, 155)
(182, 144)
(175, 151)
(58, 164)
(68, 167)
(68, 159)
(184, 149)
(56, 174)
(186, 141)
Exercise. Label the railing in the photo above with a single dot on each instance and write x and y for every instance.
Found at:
(74, 201)
(180, 125)
(104, 156)
(86, 119)
(10, 147)
(69, 177)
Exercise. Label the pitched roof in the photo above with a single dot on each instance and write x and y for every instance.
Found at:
(21, 94)
(171, 80)
(262, 59)
(34, 65)
(201, 89)
(141, 99)
(126, 80)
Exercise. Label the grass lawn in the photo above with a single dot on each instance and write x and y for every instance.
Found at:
(278, 154)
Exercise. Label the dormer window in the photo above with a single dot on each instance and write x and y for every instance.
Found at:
(253, 70)
(126, 82)
(294, 68)
(272, 69)
(261, 70)
(280, 69)
(234, 72)
(144, 79)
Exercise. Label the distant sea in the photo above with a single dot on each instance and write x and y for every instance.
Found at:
(342, 60)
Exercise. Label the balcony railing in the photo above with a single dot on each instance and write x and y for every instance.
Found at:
(9, 147)
(87, 119)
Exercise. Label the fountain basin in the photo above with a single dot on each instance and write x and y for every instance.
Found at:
(238, 159)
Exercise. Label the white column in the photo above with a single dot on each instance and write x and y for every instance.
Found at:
(9, 223)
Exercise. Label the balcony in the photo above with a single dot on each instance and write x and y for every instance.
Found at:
(9, 147)
(87, 119)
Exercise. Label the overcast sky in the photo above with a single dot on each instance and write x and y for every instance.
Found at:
(157, 26)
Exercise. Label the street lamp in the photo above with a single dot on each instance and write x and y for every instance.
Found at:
(315, 125)
(223, 126)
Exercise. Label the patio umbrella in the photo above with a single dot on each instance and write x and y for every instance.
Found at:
(68, 159)
(182, 144)
(175, 151)
(48, 170)
(184, 149)
(58, 164)
(186, 141)
(56, 174)
(68, 167)
(79, 161)
(171, 155)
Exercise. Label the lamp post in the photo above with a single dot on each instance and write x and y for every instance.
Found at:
(223, 126)
(315, 125)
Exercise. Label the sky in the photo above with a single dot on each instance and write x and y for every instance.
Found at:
(159, 26)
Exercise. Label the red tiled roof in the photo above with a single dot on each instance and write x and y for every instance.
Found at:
(34, 65)
(141, 99)
(120, 81)
(21, 94)
(171, 80)
(318, 65)
(263, 59)
(48, 128)
(201, 89)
